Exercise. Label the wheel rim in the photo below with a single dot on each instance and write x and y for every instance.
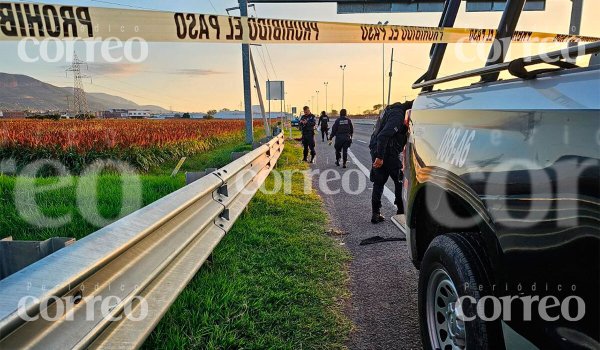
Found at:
(446, 327)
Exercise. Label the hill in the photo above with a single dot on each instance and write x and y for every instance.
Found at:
(21, 92)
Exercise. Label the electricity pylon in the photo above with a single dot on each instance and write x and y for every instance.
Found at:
(80, 105)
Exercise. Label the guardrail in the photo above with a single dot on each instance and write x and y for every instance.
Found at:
(150, 255)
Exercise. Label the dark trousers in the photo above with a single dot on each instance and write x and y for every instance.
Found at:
(391, 169)
(309, 143)
(324, 134)
(341, 149)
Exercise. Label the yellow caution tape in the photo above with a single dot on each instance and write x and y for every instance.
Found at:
(41, 21)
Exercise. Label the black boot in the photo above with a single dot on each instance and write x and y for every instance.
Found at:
(377, 218)
(400, 210)
(312, 160)
(344, 165)
(337, 162)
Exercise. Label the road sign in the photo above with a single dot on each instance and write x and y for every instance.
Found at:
(275, 90)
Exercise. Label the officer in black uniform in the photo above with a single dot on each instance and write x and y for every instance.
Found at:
(307, 126)
(324, 125)
(387, 142)
(342, 130)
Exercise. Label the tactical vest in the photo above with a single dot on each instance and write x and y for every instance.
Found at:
(398, 140)
(344, 126)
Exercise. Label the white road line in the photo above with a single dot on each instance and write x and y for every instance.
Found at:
(365, 142)
(386, 191)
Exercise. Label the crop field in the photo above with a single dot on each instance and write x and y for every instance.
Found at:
(143, 144)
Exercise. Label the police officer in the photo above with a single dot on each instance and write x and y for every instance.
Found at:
(307, 126)
(387, 142)
(342, 130)
(324, 125)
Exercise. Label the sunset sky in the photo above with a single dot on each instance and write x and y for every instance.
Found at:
(200, 77)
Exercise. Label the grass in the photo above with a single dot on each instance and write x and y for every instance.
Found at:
(61, 203)
(276, 281)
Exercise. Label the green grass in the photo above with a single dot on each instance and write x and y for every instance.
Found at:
(62, 202)
(277, 281)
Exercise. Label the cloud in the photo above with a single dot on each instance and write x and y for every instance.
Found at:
(120, 69)
(197, 72)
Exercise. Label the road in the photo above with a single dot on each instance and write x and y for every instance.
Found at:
(383, 305)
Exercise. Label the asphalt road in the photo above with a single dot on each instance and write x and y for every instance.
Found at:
(383, 305)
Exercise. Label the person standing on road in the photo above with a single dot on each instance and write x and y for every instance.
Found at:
(307, 126)
(324, 125)
(387, 142)
(342, 130)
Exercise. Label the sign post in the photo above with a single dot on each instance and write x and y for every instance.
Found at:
(275, 92)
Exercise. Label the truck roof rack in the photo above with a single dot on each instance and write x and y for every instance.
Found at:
(506, 28)
(517, 67)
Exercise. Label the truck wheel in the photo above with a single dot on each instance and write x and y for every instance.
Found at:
(450, 270)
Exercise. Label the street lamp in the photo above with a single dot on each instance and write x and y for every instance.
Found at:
(383, 68)
(317, 100)
(343, 68)
(326, 84)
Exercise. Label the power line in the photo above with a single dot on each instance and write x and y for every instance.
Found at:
(125, 5)
(156, 94)
(266, 47)
(213, 6)
(257, 72)
(409, 65)
(264, 62)
(271, 61)
(123, 92)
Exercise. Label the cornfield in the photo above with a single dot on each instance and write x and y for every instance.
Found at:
(142, 143)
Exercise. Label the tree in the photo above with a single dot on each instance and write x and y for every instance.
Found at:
(208, 116)
(225, 110)
(186, 115)
(334, 112)
(377, 107)
(212, 112)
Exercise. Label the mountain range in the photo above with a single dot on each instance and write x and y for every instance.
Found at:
(21, 92)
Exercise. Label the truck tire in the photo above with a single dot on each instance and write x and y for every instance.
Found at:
(451, 269)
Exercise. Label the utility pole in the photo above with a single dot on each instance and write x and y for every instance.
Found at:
(391, 69)
(343, 68)
(317, 101)
(383, 70)
(269, 94)
(260, 99)
(326, 84)
(246, 77)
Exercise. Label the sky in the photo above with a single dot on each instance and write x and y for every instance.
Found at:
(199, 77)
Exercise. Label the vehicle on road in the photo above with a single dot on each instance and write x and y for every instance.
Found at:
(296, 122)
(502, 197)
